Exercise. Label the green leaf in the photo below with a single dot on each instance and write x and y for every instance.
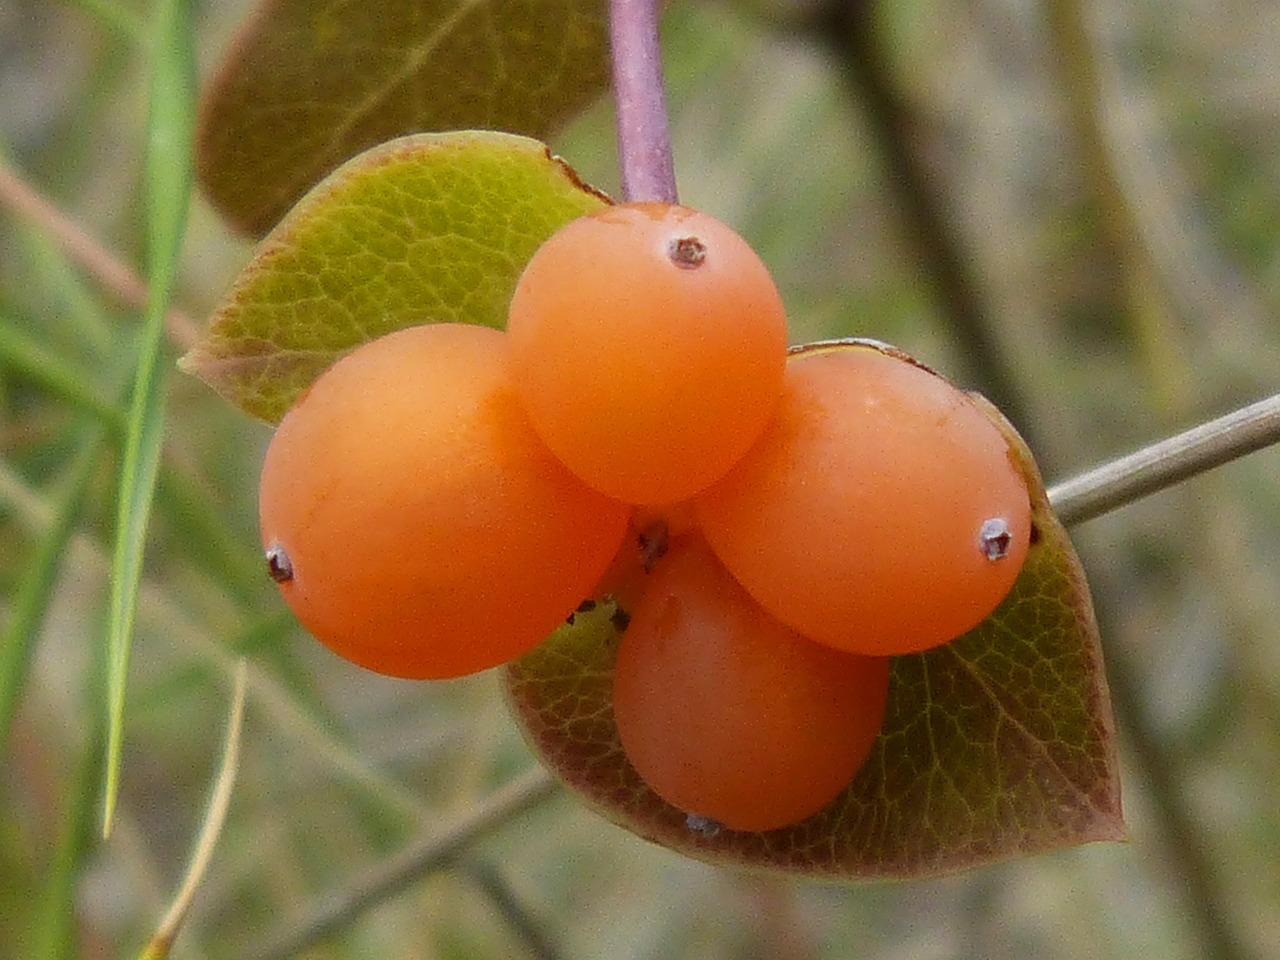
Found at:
(428, 228)
(996, 745)
(166, 195)
(309, 83)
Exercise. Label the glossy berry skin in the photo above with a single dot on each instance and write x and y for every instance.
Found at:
(415, 523)
(648, 344)
(858, 519)
(726, 713)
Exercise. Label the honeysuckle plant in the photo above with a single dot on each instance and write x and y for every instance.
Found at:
(390, 160)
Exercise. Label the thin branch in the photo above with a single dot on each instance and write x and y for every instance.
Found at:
(112, 273)
(436, 850)
(644, 141)
(1167, 463)
(523, 924)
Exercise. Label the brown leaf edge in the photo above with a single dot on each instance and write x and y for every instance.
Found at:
(1030, 773)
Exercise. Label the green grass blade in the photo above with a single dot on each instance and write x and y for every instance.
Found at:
(166, 193)
(79, 307)
(55, 933)
(31, 601)
(60, 377)
(196, 521)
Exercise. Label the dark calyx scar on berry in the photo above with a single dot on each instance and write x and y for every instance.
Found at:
(687, 252)
(995, 538)
(278, 564)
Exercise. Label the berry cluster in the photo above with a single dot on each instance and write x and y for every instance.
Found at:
(773, 526)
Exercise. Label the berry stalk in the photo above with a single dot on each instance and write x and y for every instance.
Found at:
(644, 141)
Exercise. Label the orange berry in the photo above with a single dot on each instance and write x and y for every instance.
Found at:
(881, 512)
(415, 522)
(726, 713)
(647, 343)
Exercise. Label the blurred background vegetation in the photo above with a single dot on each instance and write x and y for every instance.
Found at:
(1072, 206)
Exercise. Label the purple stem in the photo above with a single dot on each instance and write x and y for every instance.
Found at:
(644, 143)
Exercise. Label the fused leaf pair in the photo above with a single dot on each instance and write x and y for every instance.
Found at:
(997, 744)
